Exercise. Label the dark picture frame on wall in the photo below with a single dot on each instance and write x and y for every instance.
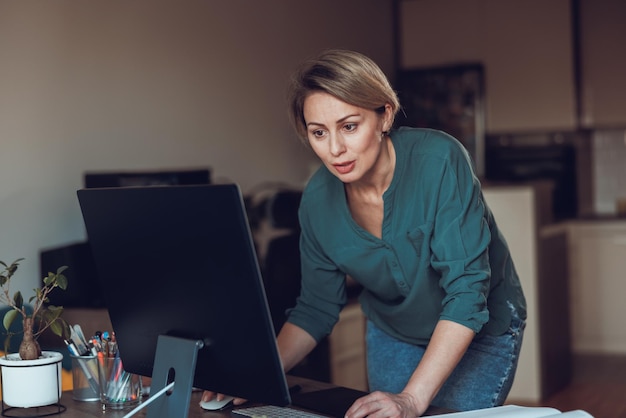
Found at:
(448, 98)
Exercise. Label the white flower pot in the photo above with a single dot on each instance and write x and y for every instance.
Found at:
(29, 383)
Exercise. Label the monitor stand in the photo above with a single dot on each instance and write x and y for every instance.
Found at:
(179, 355)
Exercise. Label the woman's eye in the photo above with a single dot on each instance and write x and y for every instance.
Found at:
(350, 127)
(318, 133)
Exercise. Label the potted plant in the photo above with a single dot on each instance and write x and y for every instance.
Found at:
(24, 385)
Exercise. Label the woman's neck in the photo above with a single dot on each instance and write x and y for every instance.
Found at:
(381, 173)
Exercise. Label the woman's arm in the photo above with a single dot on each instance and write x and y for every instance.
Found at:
(446, 348)
(294, 344)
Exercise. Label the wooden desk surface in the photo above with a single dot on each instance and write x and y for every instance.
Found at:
(80, 409)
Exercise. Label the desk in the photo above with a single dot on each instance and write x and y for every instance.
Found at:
(78, 409)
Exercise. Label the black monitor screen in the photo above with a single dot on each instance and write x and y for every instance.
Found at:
(180, 261)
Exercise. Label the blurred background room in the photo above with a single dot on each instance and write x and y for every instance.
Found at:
(150, 89)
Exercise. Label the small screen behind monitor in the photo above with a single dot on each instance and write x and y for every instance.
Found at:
(83, 290)
(180, 261)
(147, 178)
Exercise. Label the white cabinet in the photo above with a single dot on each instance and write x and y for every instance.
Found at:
(597, 255)
(525, 47)
(540, 256)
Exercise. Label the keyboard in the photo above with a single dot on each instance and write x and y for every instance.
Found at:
(272, 411)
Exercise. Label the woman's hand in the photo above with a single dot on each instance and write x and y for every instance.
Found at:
(208, 396)
(386, 405)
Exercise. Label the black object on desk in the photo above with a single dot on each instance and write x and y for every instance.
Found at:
(333, 401)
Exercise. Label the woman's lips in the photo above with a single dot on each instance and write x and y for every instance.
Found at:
(344, 168)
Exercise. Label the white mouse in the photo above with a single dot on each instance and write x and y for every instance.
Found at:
(214, 404)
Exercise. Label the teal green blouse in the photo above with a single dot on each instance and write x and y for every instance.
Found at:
(441, 255)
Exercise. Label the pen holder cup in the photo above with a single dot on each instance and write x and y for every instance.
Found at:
(85, 386)
(118, 388)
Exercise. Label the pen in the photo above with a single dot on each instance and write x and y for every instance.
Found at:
(96, 344)
(92, 381)
(105, 343)
(78, 342)
(113, 346)
(71, 348)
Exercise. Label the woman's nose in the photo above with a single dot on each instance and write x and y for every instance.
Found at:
(336, 144)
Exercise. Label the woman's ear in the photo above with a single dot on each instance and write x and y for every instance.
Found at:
(387, 118)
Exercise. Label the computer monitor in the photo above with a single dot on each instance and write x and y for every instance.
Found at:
(179, 261)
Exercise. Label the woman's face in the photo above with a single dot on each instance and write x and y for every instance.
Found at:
(347, 138)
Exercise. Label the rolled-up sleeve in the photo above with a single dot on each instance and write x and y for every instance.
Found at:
(460, 245)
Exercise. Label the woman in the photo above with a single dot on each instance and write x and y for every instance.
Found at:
(402, 213)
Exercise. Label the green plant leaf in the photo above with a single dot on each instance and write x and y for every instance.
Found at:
(8, 319)
(48, 279)
(58, 310)
(52, 313)
(13, 267)
(62, 281)
(18, 300)
(57, 328)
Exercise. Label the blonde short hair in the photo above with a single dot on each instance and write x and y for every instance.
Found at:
(347, 75)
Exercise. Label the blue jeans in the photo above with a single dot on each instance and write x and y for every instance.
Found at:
(482, 379)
